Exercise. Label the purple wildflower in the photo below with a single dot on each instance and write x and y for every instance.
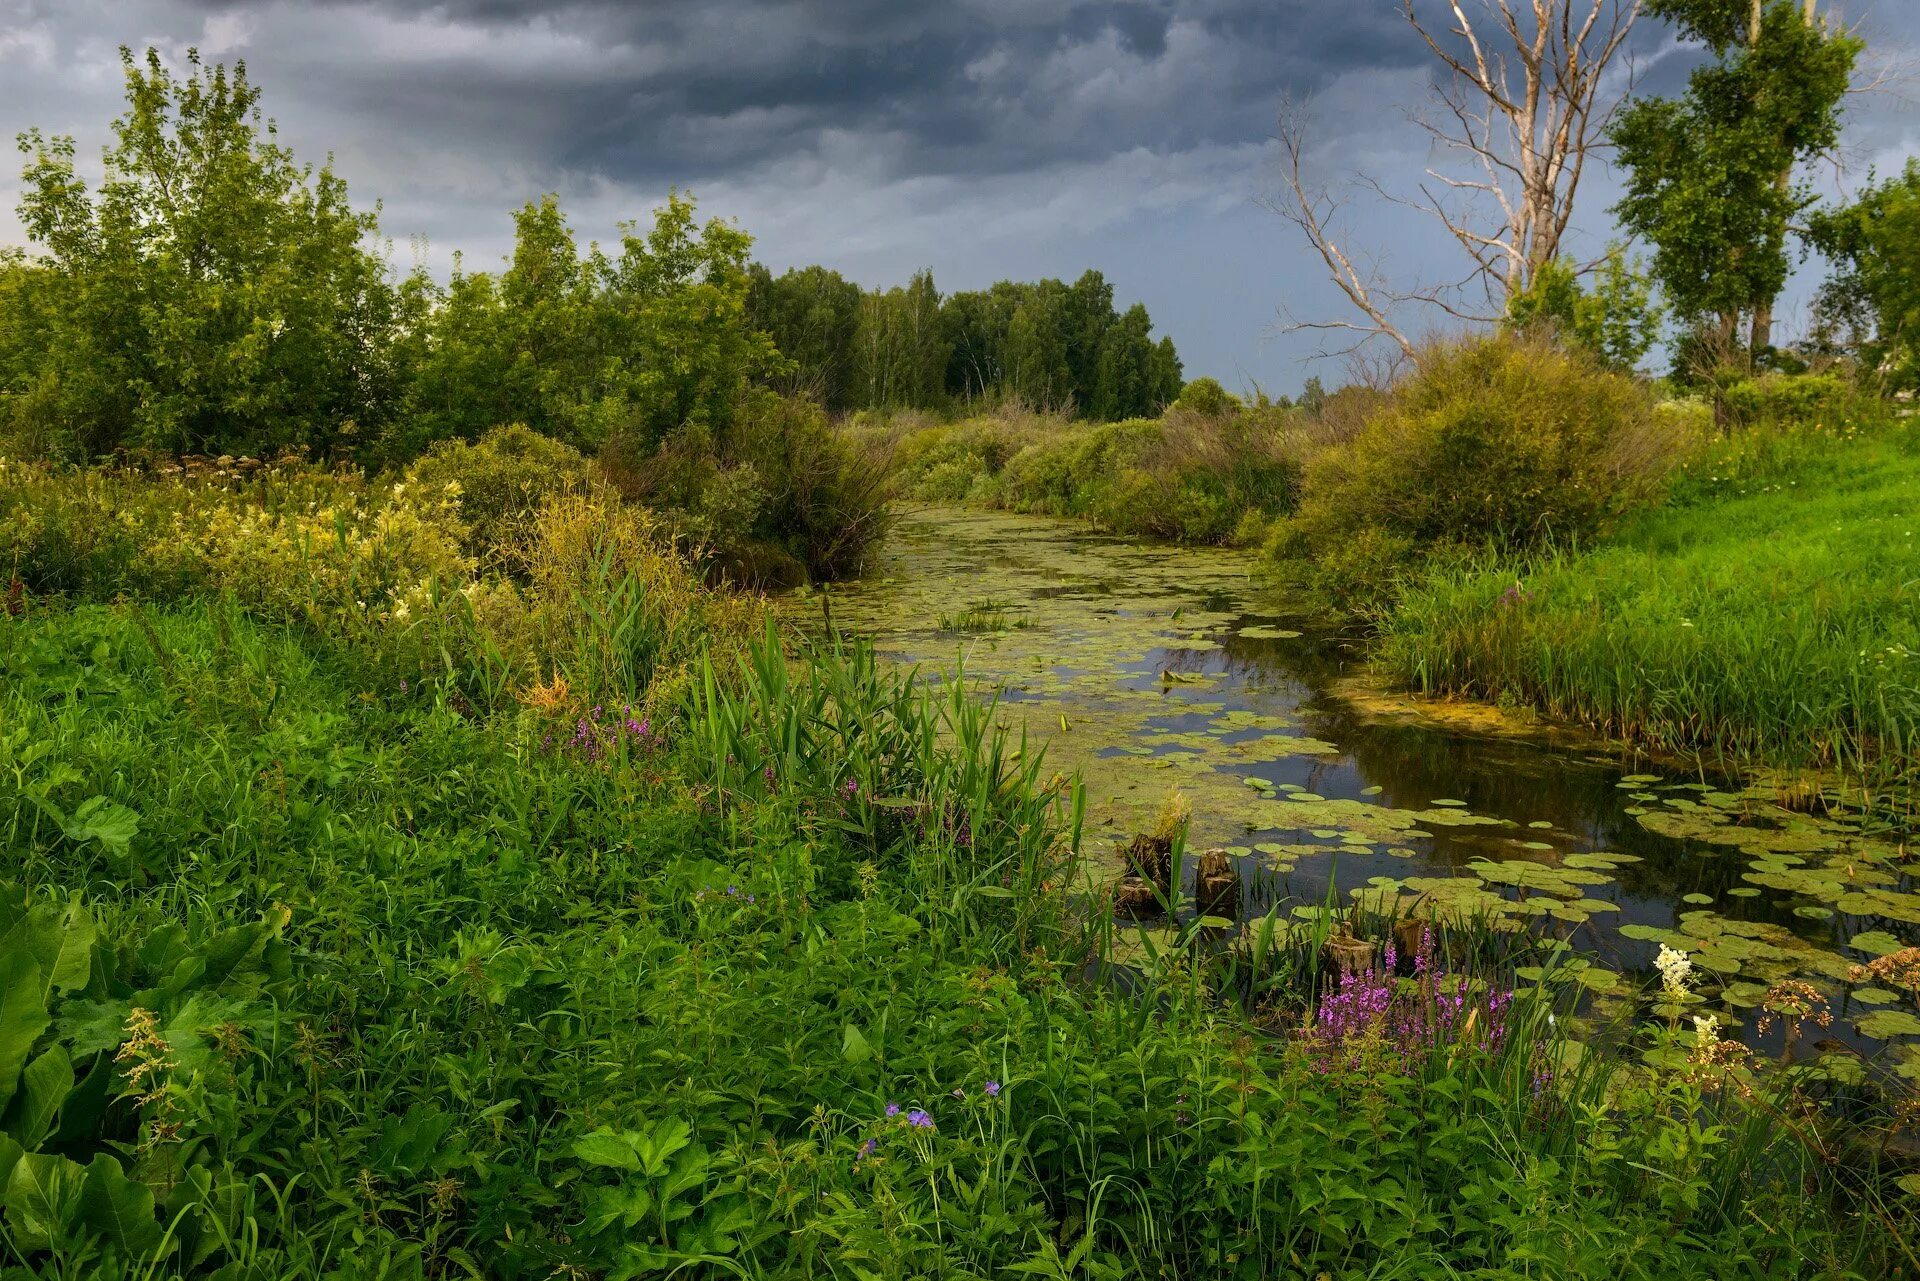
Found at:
(893, 1109)
(993, 1089)
(869, 1147)
(919, 1120)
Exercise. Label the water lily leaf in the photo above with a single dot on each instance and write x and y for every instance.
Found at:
(1883, 1025)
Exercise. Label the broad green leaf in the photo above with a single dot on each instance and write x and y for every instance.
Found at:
(118, 1208)
(106, 821)
(624, 1205)
(43, 1200)
(60, 939)
(23, 1016)
(853, 1044)
(605, 1148)
(44, 1086)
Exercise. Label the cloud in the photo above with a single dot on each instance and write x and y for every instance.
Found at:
(984, 137)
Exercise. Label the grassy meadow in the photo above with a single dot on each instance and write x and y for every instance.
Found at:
(1769, 611)
(560, 918)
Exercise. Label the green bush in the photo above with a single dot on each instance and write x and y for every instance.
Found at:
(1501, 443)
(500, 479)
(779, 498)
(1206, 398)
(1822, 401)
(1187, 476)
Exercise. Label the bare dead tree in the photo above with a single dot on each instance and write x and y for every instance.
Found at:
(1313, 209)
(1527, 91)
(1522, 102)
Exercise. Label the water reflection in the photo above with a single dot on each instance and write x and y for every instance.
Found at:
(1146, 668)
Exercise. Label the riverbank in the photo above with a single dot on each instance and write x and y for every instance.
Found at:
(1770, 612)
(341, 944)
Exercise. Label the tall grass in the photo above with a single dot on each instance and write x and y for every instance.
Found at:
(1771, 613)
(312, 972)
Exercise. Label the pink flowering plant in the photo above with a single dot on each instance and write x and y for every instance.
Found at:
(1375, 1014)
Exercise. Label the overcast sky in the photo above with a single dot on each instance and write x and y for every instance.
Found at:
(983, 138)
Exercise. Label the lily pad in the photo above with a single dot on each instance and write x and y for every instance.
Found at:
(1883, 1025)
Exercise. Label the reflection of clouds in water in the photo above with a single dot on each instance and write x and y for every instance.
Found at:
(1134, 673)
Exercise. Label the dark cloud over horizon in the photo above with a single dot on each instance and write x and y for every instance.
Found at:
(986, 138)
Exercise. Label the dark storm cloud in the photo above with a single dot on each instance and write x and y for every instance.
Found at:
(986, 138)
(688, 89)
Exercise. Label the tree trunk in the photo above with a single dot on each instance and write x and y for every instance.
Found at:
(1761, 336)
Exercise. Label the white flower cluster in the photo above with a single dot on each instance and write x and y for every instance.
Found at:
(1675, 967)
(1706, 1031)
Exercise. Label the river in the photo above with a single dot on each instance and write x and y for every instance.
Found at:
(1146, 668)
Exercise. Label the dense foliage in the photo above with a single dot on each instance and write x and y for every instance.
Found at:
(212, 295)
(1207, 470)
(328, 952)
(1048, 345)
(1871, 308)
(1498, 444)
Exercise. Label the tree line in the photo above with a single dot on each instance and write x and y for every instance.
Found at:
(213, 294)
(1050, 344)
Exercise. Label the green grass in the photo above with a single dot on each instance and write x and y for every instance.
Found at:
(1771, 612)
(323, 959)
(432, 999)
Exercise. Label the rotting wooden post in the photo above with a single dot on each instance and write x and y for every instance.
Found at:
(1350, 956)
(1216, 885)
(1407, 933)
(1135, 897)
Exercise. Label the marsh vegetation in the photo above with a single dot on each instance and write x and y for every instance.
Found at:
(625, 765)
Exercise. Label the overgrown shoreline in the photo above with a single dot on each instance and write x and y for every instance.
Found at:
(690, 946)
(1745, 598)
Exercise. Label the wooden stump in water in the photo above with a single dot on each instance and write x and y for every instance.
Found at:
(1216, 885)
(1350, 956)
(1407, 934)
(1150, 858)
(1135, 897)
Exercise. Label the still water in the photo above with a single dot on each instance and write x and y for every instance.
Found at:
(1147, 668)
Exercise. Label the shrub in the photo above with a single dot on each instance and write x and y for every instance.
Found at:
(1207, 398)
(288, 540)
(1503, 443)
(779, 498)
(1822, 400)
(501, 478)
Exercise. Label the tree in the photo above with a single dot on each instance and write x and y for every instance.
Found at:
(587, 348)
(901, 351)
(1522, 99)
(974, 327)
(1036, 349)
(1874, 294)
(1088, 314)
(212, 295)
(1615, 320)
(1123, 369)
(1709, 174)
(1164, 373)
(813, 316)
(686, 354)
